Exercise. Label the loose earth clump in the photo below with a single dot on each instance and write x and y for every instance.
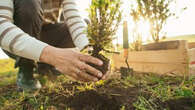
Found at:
(106, 62)
(97, 54)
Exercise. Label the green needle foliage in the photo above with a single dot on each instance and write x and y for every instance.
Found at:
(105, 16)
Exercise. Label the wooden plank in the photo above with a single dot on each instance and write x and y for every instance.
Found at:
(174, 60)
(179, 69)
(161, 62)
(165, 45)
(162, 56)
(191, 45)
(183, 44)
(161, 46)
(191, 53)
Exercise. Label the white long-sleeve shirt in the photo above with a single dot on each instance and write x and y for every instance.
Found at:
(14, 40)
(71, 15)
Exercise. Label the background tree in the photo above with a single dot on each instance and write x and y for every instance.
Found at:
(156, 12)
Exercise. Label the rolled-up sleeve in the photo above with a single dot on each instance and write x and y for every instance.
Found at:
(13, 39)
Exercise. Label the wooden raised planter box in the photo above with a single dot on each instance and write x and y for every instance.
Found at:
(191, 53)
(171, 57)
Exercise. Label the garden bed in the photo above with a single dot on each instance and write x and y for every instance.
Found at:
(138, 92)
(172, 57)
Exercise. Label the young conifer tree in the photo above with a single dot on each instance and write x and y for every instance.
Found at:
(105, 17)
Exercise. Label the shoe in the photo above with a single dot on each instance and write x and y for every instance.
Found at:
(25, 79)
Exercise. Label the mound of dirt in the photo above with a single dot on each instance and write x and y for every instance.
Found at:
(106, 63)
(107, 97)
(92, 100)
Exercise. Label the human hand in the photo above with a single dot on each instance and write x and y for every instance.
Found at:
(106, 75)
(72, 63)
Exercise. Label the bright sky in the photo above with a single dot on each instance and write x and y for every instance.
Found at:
(185, 24)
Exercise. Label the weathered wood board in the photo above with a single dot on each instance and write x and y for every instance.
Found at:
(191, 45)
(173, 61)
(191, 53)
(165, 45)
(161, 46)
(162, 62)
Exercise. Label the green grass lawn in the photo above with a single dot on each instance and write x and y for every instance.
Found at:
(6, 65)
(7, 72)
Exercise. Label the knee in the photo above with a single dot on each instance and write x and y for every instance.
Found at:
(28, 9)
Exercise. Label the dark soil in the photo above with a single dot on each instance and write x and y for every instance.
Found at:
(108, 97)
(113, 95)
(89, 100)
(106, 63)
(181, 104)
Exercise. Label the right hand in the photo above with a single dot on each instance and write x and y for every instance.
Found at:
(72, 63)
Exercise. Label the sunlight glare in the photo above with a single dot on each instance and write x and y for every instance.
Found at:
(144, 29)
